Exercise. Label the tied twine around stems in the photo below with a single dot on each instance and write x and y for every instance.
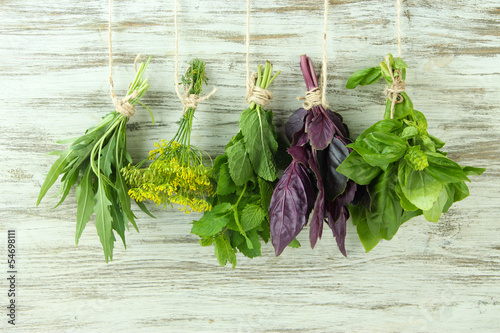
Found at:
(313, 98)
(398, 86)
(254, 93)
(187, 99)
(317, 96)
(257, 94)
(122, 106)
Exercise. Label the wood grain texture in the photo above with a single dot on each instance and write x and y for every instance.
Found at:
(442, 277)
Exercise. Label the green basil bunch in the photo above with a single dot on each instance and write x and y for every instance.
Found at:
(405, 172)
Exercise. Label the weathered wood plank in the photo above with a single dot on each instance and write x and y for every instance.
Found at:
(442, 277)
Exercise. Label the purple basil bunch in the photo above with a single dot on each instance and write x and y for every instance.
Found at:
(311, 182)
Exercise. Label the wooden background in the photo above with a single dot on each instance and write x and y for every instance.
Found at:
(442, 277)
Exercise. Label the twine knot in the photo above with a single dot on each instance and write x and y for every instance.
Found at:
(257, 94)
(192, 100)
(313, 98)
(123, 106)
(398, 86)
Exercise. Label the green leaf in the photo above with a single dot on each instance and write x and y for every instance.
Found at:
(405, 203)
(433, 214)
(260, 142)
(266, 190)
(437, 142)
(385, 126)
(367, 238)
(385, 204)
(364, 77)
(108, 155)
(213, 221)
(408, 215)
(224, 251)
(119, 220)
(252, 216)
(206, 241)
(143, 207)
(225, 184)
(85, 200)
(69, 181)
(399, 63)
(461, 191)
(239, 164)
(380, 149)
(420, 120)
(421, 188)
(401, 110)
(254, 250)
(468, 170)
(354, 167)
(294, 244)
(409, 132)
(103, 222)
(219, 160)
(122, 190)
(55, 170)
(443, 169)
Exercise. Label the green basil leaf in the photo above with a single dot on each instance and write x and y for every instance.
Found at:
(468, 170)
(364, 77)
(401, 110)
(461, 191)
(380, 149)
(405, 203)
(421, 188)
(409, 132)
(433, 214)
(408, 215)
(385, 126)
(438, 143)
(355, 167)
(443, 169)
(399, 63)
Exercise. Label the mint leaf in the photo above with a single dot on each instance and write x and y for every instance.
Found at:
(240, 168)
(254, 251)
(224, 251)
(260, 143)
(252, 216)
(266, 192)
(213, 221)
(225, 184)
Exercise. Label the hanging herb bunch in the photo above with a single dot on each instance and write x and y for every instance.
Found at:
(180, 173)
(93, 162)
(406, 172)
(311, 182)
(244, 174)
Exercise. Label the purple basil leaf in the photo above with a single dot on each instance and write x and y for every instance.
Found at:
(300, 154)
(337, 216)
(320, 131)
(340, 127)
(349, 193)
(316, 226)
(335, 182)
(288, 211)
(295, 123)
(300, 138)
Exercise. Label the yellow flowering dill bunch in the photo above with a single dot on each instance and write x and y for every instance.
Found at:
(179, 173)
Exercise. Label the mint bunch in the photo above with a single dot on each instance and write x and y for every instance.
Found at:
(405, 171)
(244, 175)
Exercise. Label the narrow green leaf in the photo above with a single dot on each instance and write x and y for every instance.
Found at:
(103, 222)
(55, 170)
(85, 200)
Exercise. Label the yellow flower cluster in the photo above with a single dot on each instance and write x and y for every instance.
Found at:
(176, 176)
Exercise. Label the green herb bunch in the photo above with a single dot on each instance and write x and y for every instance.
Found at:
(405, 171)
(180, 173)
(97, 157)
(244, 174)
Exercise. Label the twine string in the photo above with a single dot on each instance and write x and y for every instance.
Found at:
(254, 93)
(122, 106)
(313, 98)
(187, 99)
(398, 8)
(324, 75)
(398, 86)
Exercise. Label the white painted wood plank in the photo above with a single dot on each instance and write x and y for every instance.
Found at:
(442, 277)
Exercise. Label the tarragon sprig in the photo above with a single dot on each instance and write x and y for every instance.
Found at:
(98, 157)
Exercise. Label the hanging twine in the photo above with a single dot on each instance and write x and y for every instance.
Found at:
(398, 86)
(122, 106)
(317, 96)
(187, 99)
(254, 93)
